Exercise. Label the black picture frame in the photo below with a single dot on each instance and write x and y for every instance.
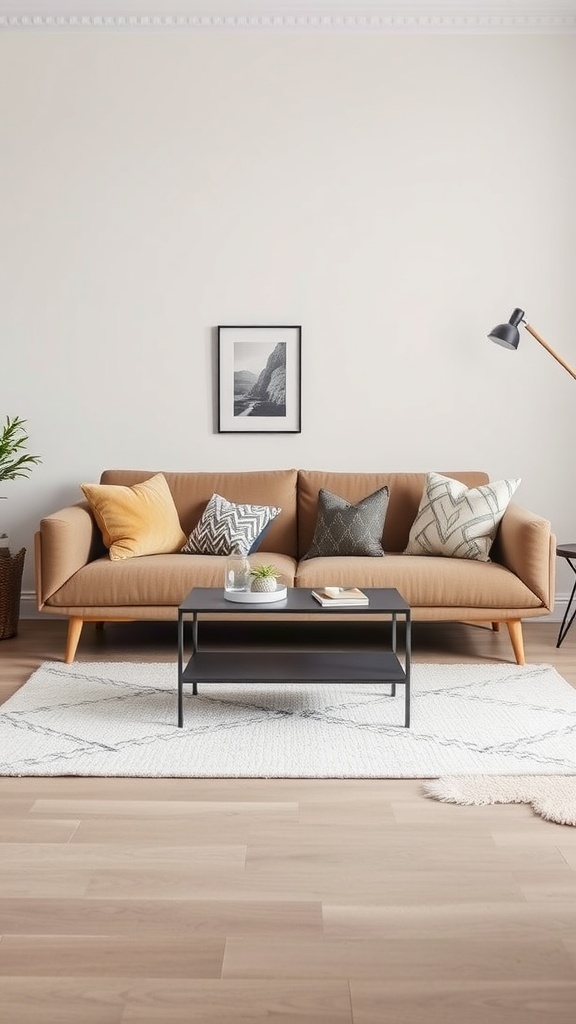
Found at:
(259, 379)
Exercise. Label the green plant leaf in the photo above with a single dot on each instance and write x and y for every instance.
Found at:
(14, 460)
(262, 572)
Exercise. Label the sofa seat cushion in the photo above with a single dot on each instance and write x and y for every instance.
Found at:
(424, 580)
(150, 580)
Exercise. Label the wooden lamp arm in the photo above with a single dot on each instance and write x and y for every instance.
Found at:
(549, 349)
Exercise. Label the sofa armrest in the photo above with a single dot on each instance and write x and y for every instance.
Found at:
(66, 541)
(526, 545)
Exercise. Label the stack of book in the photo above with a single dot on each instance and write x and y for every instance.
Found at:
(340, 597)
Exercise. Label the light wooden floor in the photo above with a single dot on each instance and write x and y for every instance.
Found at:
(298, 902)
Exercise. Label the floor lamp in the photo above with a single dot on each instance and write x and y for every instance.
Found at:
(508, 336)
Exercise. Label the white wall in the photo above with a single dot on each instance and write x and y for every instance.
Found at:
(396, 196)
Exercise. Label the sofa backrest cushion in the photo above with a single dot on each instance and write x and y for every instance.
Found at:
(192, 492)
(405, 494)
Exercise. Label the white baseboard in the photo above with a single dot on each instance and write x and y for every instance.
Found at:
(28, 609)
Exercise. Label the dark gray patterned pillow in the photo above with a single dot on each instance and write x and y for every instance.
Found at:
(345, 529)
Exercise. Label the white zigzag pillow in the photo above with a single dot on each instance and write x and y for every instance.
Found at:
(226, 528)
(459, 521)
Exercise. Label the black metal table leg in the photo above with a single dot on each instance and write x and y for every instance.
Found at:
(394, 638)
(566, 625)
(567, 551)
(407, 670)
(194, 648)
(180, 668)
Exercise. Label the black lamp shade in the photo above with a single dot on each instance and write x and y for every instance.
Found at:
(508, 335)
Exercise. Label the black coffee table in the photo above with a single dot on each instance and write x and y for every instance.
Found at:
(334, 665)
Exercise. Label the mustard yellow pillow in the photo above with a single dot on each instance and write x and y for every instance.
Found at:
(137, 520)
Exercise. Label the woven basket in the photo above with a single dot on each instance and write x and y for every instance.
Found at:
(11, 568)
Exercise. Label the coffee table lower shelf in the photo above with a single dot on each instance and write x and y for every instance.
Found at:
(295, 667)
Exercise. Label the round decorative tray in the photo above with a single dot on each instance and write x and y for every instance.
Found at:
(256, 596)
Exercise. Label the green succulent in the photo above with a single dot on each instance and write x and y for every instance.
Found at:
(265, 572)
(14, 462)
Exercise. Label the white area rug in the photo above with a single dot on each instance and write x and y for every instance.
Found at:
(119, 719)
(553, 797)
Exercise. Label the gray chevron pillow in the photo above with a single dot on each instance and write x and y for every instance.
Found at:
(459, 521)
(226, 528)
(345, 529)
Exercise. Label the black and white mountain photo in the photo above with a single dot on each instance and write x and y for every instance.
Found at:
(259, 378)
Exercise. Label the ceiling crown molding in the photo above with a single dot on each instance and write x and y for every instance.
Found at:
(467, 19)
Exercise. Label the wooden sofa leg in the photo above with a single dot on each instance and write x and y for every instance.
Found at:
(517, 640)
(74, 630)
(496, 627)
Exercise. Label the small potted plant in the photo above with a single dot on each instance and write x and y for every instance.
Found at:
(14, 462)
(264, 578)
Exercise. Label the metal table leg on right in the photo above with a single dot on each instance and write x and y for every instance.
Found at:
(566, 625)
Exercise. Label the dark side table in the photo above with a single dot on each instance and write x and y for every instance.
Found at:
(567, 551)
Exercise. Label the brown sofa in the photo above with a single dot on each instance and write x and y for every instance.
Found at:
(76, 578)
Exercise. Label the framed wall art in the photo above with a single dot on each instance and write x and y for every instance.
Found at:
(259, 380)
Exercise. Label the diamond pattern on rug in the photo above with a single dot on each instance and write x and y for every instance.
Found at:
(119, 719)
